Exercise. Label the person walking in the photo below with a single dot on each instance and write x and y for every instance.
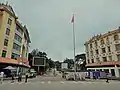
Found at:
(12, 75)
(1, 77)
(19, 77)
(107, 77)
(26, 77)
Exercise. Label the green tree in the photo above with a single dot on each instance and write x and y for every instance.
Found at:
(58, 65)
(70, 63)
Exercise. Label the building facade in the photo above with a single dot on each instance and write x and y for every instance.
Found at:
(14, 38)
(103, 53)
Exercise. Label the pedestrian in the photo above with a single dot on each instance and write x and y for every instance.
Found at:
(26, 77)
(107, 78)
(19, 77)
(12, 75)
(1, 77)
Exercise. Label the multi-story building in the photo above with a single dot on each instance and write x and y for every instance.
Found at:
(103, 53)
(14, 38)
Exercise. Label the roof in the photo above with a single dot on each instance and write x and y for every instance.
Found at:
(100, 36)
(104, 63)
(8, 8)
(26, 31)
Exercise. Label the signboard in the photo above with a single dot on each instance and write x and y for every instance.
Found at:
(39, 61)
(64, 65)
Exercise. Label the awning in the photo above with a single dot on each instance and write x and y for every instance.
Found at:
(12, 61)
(8, 60)
(104, 63)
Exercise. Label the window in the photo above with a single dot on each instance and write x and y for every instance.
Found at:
(92, 60)
(9, 21)
(19, 29)
(87, 54)
(91, 53)
(110, 58)
(103, 50)
(96, 43)
(87, 47)
(118, 57)
(97, 51)
(26, 54)
(116, 37)
(104, 59)
(91, 45)
(106, 70)
(5, 42)
(109, 50)
(16, 47)
(4, 53)
(102, 41)
(98, 60)
(88, 61)
(18, 38)
(113, 72)
(14, 56)
(117, 46)
(97, 69)
(7, 31)
(107, 40)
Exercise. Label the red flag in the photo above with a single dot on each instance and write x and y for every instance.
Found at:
(72, 21)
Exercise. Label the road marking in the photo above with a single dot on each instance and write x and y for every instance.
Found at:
(62, 82)
(75, 82)
(49, 82)
(21, 83)
(42, 82)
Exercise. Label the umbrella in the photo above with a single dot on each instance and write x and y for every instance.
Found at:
(10, 68)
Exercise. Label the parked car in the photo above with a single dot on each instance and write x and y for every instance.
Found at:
(69, 76)
(32, 73)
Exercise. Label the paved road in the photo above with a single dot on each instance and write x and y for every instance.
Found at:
(48, 83)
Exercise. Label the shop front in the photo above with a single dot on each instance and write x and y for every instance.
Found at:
(21, 65)
(108, 67)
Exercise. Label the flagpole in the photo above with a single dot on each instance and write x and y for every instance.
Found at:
(74, 48)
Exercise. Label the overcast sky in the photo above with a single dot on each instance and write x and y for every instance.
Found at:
(49, 22)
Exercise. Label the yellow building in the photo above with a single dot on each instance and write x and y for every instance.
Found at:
(103, 53)
(14, 38)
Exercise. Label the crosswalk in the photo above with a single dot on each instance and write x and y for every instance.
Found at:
(47, 82)
(54, 82)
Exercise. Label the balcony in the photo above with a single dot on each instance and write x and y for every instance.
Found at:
(96, 47)
(17, 42)
(104, 54)
(109, 53)
(116, 42)
(15, 51)
(118, 51)
(103, 45)
(17, 32)
(108, 43)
